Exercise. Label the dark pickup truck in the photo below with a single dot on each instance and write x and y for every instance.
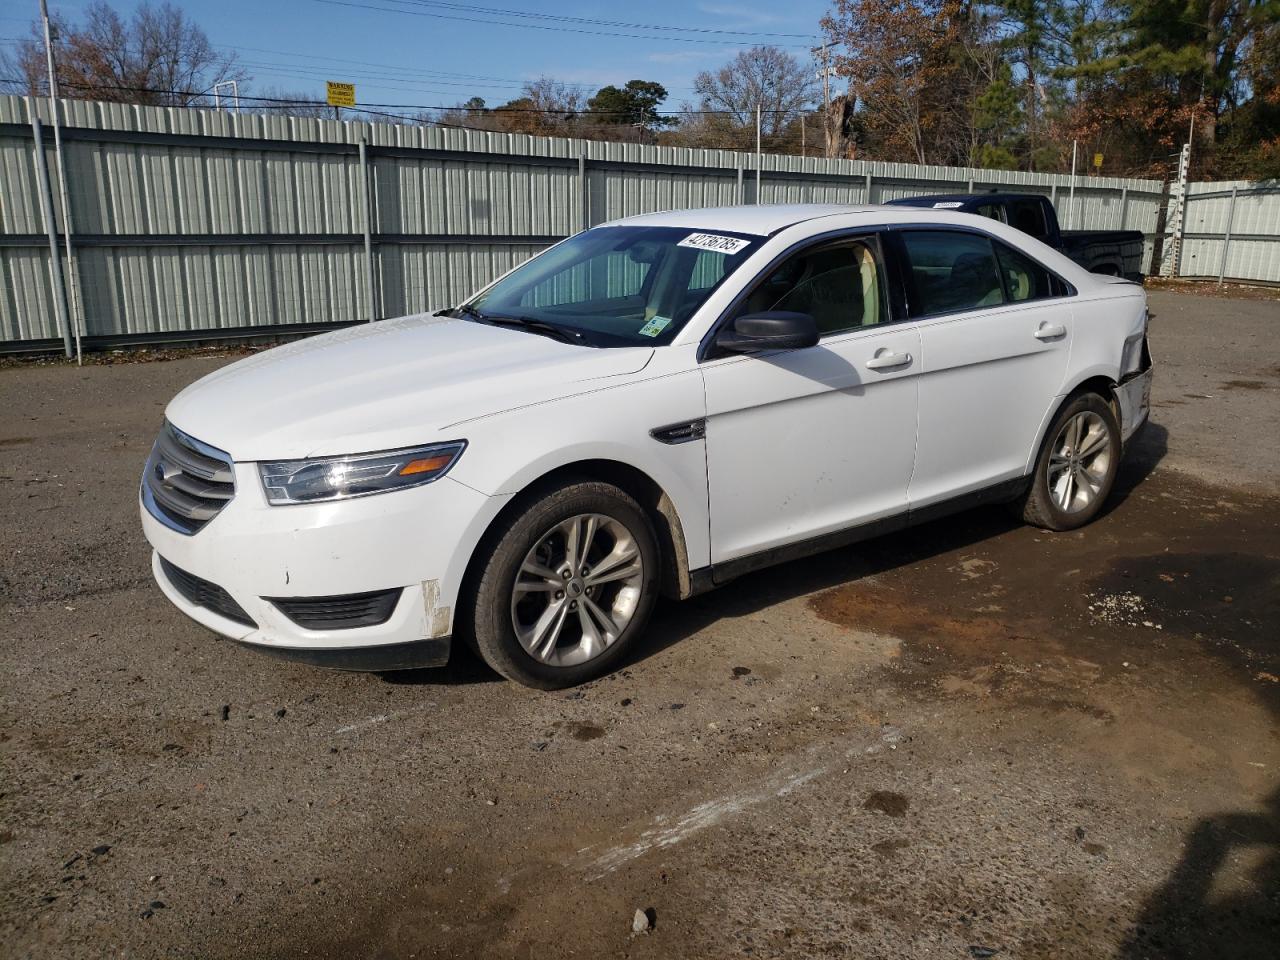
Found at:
(1117, 253)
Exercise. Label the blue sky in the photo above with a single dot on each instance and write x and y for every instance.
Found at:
(411, 58)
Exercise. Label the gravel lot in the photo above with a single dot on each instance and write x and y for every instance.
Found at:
(971, 737)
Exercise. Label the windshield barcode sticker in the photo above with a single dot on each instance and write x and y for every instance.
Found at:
(948, 205)
(714, 241)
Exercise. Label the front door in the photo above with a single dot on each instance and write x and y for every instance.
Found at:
(801, 443)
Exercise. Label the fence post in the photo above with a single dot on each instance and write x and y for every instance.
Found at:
(585, 193)
(1226, 240)
(869, 200)
(1124, 206)
(741, 198)
(55, 255)
(368, 230)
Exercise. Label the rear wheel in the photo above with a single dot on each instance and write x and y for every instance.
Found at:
(567, 587)
(1077, 466)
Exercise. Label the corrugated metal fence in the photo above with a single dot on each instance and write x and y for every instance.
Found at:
(1231, 230)
(210, 222)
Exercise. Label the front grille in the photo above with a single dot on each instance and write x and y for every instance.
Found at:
(186, 482)
(205, 594)
(340, 613)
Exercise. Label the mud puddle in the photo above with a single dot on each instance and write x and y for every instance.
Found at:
(986, 606)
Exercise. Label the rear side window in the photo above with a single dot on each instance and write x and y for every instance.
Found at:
(1024, 279)
(951, 271)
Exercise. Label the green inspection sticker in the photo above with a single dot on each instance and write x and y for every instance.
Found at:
(655, 326)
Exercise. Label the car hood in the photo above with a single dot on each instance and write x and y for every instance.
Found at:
(378, 386)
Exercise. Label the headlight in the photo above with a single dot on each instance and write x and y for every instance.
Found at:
(340, 478)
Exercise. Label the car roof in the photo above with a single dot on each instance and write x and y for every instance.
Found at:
(770, 220)
(761, 220)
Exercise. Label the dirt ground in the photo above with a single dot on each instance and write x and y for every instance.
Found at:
(972, 739)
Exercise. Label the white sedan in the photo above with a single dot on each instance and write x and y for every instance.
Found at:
(656, 405)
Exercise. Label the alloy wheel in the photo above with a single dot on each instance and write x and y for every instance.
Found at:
(1079, 462)
(577, 590)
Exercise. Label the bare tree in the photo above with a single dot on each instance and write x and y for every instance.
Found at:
(780, 84)
(157, 57)
(899, 56)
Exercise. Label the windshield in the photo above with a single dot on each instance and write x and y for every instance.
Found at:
(615, 286)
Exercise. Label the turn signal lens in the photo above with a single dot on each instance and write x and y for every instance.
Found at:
(425, 465)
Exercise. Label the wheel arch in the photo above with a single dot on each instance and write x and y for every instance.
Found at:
(1098, 380)
(646, 491)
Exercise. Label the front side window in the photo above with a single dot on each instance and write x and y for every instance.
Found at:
(616, 286)
(951, 271)
(992, 211)
(841, 285)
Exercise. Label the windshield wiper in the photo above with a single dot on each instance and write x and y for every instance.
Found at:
(467, 310)
(563, 334)
(542, 327)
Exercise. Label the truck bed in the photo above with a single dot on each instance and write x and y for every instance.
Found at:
(1117, 252)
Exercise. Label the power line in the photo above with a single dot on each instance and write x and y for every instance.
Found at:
(295, 101)
(311, 74)
(440, 77)
(378, 79)
(497, 11)
(537, 26)
(369, 63)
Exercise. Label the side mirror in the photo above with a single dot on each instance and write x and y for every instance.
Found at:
(770, 330)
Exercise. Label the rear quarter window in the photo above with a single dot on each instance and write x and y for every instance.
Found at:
(1024, 279)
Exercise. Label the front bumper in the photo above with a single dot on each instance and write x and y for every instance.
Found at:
(416, 540)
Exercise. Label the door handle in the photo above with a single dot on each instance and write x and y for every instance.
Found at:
(1050, 331)
(888, 361)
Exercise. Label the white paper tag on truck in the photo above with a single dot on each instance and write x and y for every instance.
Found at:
(714, 241)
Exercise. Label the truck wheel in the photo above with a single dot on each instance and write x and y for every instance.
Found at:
(1076, 468)
(566, 587)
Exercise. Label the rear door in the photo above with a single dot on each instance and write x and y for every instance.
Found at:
(995, 330)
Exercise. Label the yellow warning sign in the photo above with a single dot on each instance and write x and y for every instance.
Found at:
(1097, 160)
(341, 94)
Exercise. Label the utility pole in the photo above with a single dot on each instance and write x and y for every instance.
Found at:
(825, 76)
(74, 312)
(758, 155)
(1071, 196)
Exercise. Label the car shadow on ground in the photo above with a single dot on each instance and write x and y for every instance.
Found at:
(675, 621)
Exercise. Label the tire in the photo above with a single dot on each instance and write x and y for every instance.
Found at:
(1068, 489)
(524, 592)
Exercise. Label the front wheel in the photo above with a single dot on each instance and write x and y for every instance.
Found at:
(567, 587)
(1077, 466)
